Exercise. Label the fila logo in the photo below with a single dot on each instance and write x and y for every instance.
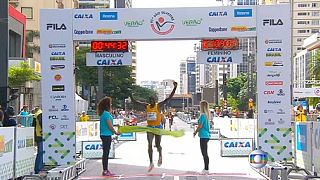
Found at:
(272, 22)
(56, 27)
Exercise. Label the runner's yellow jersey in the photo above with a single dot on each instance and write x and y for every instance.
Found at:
(153, 115)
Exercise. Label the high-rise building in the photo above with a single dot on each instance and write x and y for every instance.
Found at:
(188, 76)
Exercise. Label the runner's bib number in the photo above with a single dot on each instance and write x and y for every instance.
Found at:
(152, 116)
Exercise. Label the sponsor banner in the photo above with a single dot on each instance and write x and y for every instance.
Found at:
(109, 59)
(306, 92)
(164, 23)
(6, 152)
(131, 136)
(316, 146)
(236, 147)
(58, 97)
(303, 145)
(219, 56)
(93, 150)
(214, 134)
(273, 86)
(25, 151)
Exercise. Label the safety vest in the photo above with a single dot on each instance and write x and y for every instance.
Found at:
(38, 126)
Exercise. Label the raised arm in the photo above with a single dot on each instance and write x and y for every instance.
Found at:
(171, 95)
(144, 104)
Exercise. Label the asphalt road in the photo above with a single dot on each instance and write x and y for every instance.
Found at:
(182, 160)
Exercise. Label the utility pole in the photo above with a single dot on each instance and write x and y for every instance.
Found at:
(4, 51)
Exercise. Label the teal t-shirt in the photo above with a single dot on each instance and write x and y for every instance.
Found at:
(205, 130)
(104, 128)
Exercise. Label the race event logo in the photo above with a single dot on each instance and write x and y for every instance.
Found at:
(162, 23)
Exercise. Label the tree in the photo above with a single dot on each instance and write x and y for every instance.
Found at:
(141, 94)
(238, 92)
(117, 79)
(19, 75)
(315, 65)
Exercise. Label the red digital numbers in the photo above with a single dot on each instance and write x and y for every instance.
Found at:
(219, 44)
(109, 46)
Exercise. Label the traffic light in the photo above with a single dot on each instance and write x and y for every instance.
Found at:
(14, 94)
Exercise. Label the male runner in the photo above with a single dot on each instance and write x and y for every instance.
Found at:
(153, 110)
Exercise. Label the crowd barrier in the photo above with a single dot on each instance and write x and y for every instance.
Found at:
(235, 127)
(17, 152)
(307, 147)
(88, 142)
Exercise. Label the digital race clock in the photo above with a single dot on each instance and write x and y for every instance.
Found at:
(109, 46)
(220, 44)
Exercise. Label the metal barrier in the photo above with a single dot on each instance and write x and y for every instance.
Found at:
(67, 172)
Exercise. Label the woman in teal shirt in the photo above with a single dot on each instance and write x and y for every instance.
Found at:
(204, 133)
(106, 131)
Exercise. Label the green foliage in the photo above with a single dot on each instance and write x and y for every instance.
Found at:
(238, 92)
(315, 65)
(85, 75)
(19, 75)
(141, 94)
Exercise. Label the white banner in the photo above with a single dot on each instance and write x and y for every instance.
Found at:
(93, 149)
(164, 23)
(25, 151)
(274, 80)
(109, 59)
(6, 152)
(236, 147)
(316, 146)
(57, 57)
(219, 56)
(214, 134)
(306, 92)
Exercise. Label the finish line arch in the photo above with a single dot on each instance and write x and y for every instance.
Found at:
(61, 27)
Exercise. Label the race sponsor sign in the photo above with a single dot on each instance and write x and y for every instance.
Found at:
(94, 150)
(58, 94)
(109, 59)
(236, 147)
(316, 146)
(6, 152)
(219, 56)
(25, 151)
(306, 92)
(303, 147)
(274, 81)
(132, 136)
(214, 134)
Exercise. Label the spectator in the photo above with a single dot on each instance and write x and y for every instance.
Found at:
(84, 117)
(250, 113)
(24, 111)
(37, 124)
(9, 120)
(301, 114)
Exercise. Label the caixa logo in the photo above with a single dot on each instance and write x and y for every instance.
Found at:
(237, 144)
(272, 22)
(56, 27)
(93, 146)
